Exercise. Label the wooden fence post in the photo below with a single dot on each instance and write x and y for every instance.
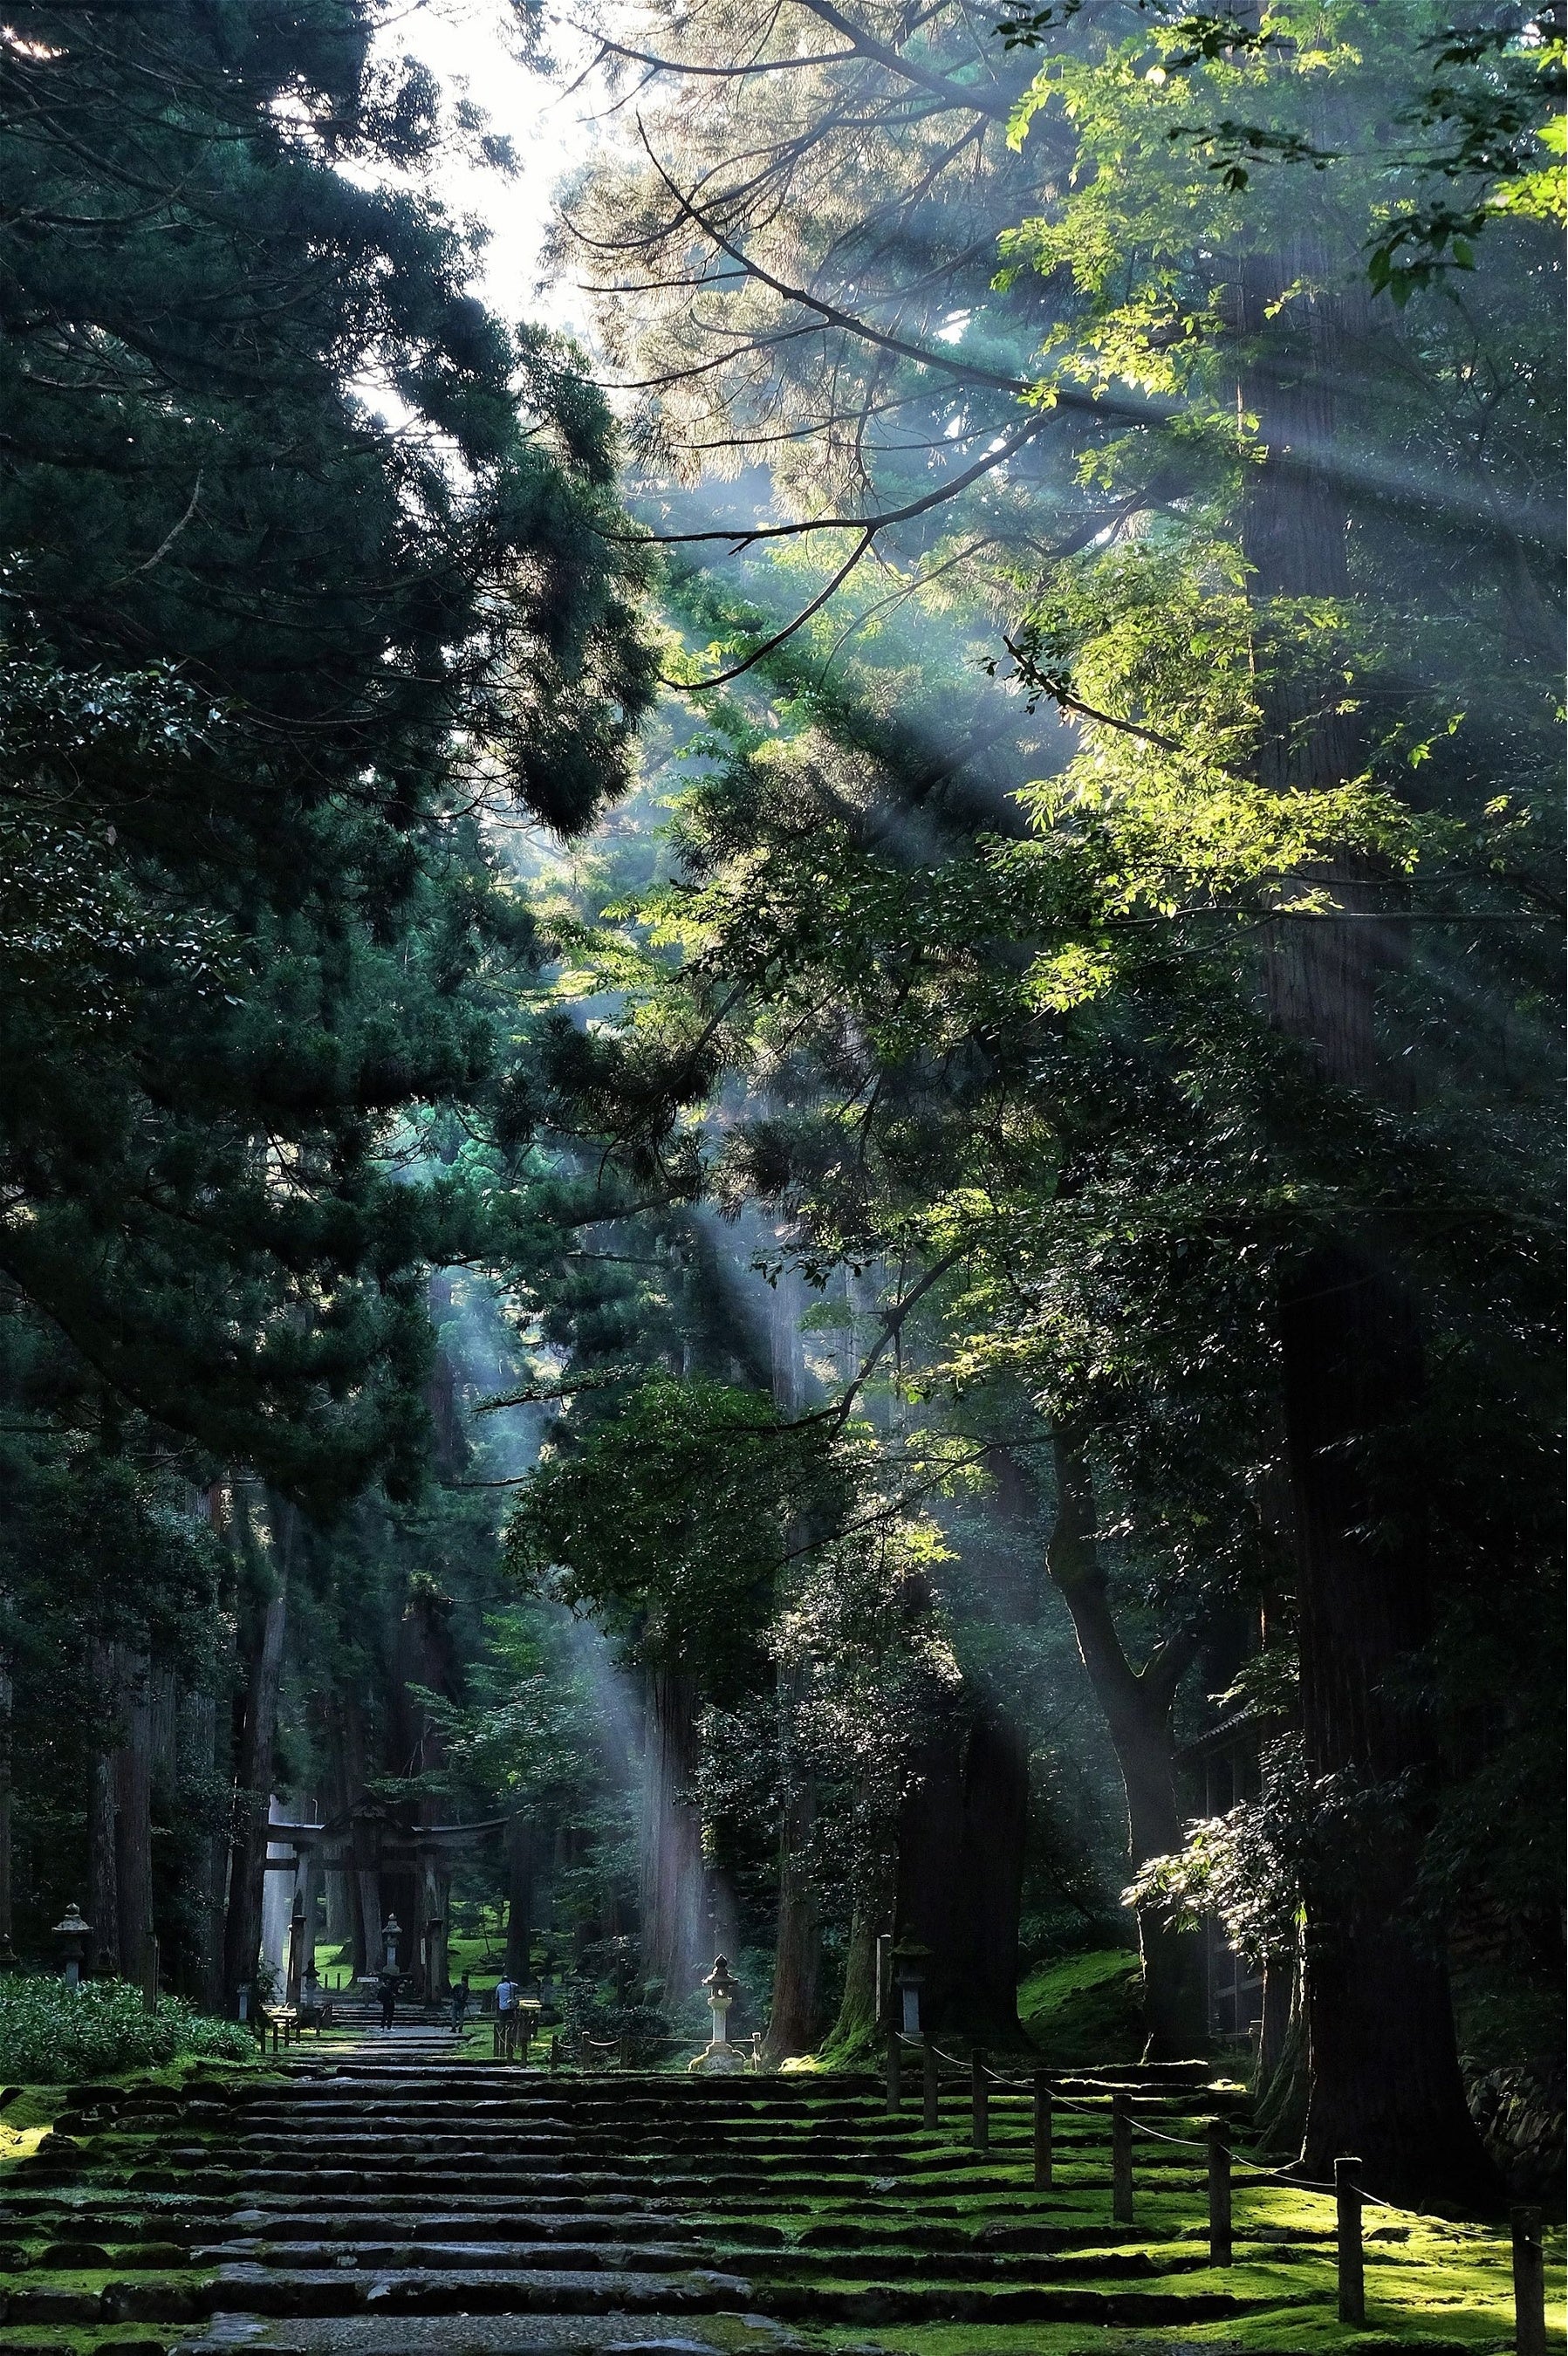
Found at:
(1348, 2208)
(1043, 2155)
(1529, 2284)
(1218, 2195)
(979, 2103)
(895, 2074)
(929, 2085)
(1120, 2160)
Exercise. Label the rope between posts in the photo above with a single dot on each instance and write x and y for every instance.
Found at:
(1000, 2078)
(1063, 2102)
(1301, 2183)
(1158, 2134)
(1061, 2099)
(1187, 2143)
(1369, 2199)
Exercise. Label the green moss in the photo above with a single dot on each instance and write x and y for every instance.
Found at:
(1434, 2287)
(1084, 2009)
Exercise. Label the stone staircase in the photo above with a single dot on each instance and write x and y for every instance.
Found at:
(378, 2196)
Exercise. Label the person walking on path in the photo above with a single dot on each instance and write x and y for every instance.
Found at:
(387, 1985)
(506, 2012)
(459, 2005)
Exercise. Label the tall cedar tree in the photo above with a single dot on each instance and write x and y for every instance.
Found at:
(302, 555)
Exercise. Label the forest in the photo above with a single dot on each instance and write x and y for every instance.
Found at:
(780, 1153)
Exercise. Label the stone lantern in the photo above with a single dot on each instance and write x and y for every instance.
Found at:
(721, 2059)
(391, 1933)
(910, 1959)
(73, 1935)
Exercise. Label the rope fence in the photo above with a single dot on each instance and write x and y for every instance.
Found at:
(1346, 2190)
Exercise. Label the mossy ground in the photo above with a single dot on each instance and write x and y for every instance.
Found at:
(1431, 2286)
(1084, 2009)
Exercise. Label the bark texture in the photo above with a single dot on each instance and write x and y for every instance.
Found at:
(871, 1914)
(102, 1864)
(6, 1700)
(960, 1869)
(257, 1727)
(519, 1848)
(673, 1912)
(132, 1785)
(1384, 2068)
(795, 2023)
(1137, 1705)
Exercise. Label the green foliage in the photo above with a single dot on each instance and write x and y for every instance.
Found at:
(1242, 1869)
(51, 2033)
(1470, 127)
(670, 1522)
(528, 1732)
(255, 635)
(865, 1666)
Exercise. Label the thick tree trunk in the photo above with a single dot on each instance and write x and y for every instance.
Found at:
(1385, 2072)
(342, 1914)
(960, 1869)
(1137, 1705)
(795, 2023)
(312, 1875)
(856, 2022)
(134, 1824)
(102, 1867)
(369, 1882)
(364, 1913)
(519, 1848)
(1281, 1979)
(994, 1828)
(203, 1972)
(1385, 2069)
(253, 1774)
(7, 1952)
(674, 1914)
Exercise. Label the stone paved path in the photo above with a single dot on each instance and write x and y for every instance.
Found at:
(384, 2198)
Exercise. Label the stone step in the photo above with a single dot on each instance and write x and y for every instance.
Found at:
(872, 2264)
(609, 2206)
(309, 2225)
(267, 2290)
(542, 2335)
(949, 2302)
(388, 2198)
(435, 2250)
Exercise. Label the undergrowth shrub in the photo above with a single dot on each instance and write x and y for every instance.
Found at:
(49, 2032)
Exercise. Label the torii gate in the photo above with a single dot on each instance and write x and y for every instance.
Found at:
(366, 1841)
